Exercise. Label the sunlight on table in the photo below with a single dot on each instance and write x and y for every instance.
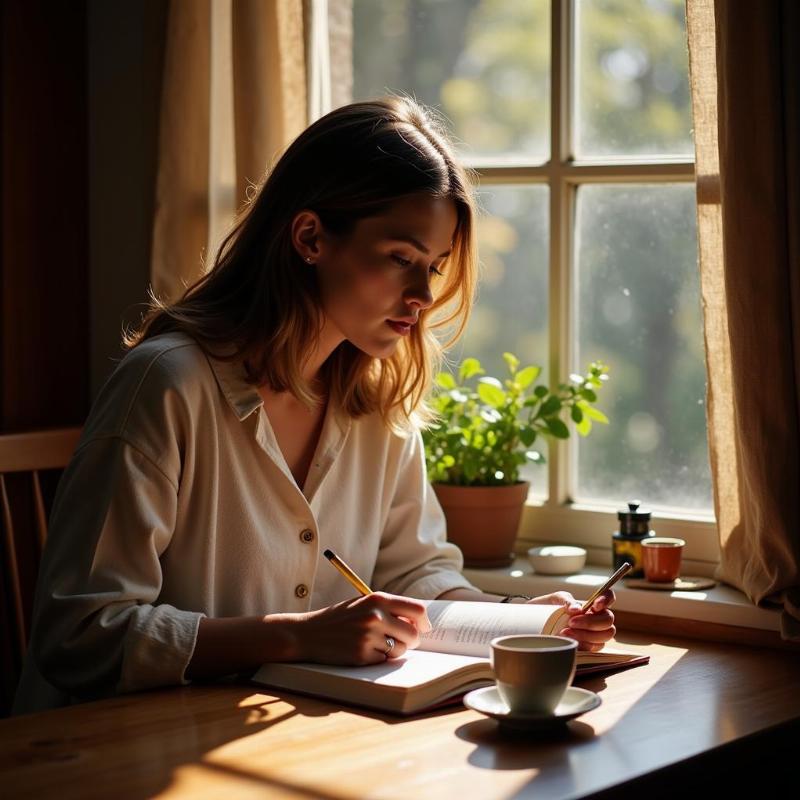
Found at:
(285, 758)
(638, 682)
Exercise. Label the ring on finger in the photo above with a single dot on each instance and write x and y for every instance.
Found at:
(390, 643)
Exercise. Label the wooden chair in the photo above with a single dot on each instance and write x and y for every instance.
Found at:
(27, 487)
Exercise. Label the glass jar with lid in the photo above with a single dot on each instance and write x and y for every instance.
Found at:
(634, 526)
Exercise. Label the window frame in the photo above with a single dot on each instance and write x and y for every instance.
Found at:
(559, 518)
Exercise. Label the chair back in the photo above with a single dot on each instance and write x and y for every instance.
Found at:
(28, 462)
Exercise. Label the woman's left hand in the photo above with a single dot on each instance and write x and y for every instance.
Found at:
(592, 629)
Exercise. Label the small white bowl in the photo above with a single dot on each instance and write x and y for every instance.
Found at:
(557, 559)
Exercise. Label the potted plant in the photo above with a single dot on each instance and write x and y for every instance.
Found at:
(484, 431)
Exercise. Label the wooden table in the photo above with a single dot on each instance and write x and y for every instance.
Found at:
(695, 706)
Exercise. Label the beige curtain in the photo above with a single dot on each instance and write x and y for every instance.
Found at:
(233, 96)
(745, 76)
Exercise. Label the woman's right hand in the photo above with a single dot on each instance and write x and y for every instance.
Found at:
(355, 631)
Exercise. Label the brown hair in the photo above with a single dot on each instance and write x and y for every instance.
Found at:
(261, 298)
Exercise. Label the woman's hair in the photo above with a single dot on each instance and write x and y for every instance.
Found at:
(262, 298)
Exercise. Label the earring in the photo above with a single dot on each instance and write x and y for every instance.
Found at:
(309, 260)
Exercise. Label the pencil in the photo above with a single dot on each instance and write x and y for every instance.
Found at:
(623, 570)
(348, 573)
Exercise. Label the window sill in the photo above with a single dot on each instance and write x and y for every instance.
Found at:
(590, 527)
(720, 613)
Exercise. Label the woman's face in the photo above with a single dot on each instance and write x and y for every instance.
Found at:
(375, 281)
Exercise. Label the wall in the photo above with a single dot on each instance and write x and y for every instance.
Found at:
(80, 106)
(125, 56)
(43, 273)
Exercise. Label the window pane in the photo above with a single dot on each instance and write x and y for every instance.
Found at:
(638, 309)
(483, 63)
(632, 76)
(511, 311)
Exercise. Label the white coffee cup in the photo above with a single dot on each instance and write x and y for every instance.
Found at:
(533, 672)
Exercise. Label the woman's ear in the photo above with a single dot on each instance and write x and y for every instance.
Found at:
(307, 233)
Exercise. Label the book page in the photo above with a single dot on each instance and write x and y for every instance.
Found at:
(403, 685)
(467, 628)
(411, 670)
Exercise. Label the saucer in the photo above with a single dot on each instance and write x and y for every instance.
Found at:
(576, 701)
(682, 584)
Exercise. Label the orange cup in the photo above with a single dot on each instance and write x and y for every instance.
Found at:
(661, 558)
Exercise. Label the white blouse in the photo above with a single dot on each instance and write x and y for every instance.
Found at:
(179, 504)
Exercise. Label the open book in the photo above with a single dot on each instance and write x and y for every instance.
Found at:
(451, 659)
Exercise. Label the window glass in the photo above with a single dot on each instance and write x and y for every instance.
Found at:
(632, 79)
(485, 64)
(637, 308)
(511, 312)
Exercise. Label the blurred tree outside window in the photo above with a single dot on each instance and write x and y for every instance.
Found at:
(619, 156)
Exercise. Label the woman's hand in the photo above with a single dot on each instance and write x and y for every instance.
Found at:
(355, 631)
(592, 629)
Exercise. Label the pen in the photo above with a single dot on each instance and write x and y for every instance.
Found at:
(623, 570)
(337, 562)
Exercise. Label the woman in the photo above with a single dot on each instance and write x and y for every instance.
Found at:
(266, 416)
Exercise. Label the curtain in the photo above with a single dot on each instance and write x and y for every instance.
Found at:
(745, 82)
(233, 96)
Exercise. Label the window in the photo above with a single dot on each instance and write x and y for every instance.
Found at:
(576, 115)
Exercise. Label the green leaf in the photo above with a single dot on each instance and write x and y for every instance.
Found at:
(550, 406)
(541, 391)
(576, 414)
(490, 394)
(446, 380)
(557, 428)
(448, 460)
(469, 367)
(525, 377)
(441, 403)
(454, 439)
(594, 413)
(512, 361)
(584, 427)
(527, 435)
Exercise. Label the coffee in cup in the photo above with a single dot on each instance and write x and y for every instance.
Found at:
(533, 672)
(661, 558)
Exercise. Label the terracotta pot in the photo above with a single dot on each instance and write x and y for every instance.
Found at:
(483, 520)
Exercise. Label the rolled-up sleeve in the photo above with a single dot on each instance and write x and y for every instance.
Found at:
(96, 629)
(415, 559)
